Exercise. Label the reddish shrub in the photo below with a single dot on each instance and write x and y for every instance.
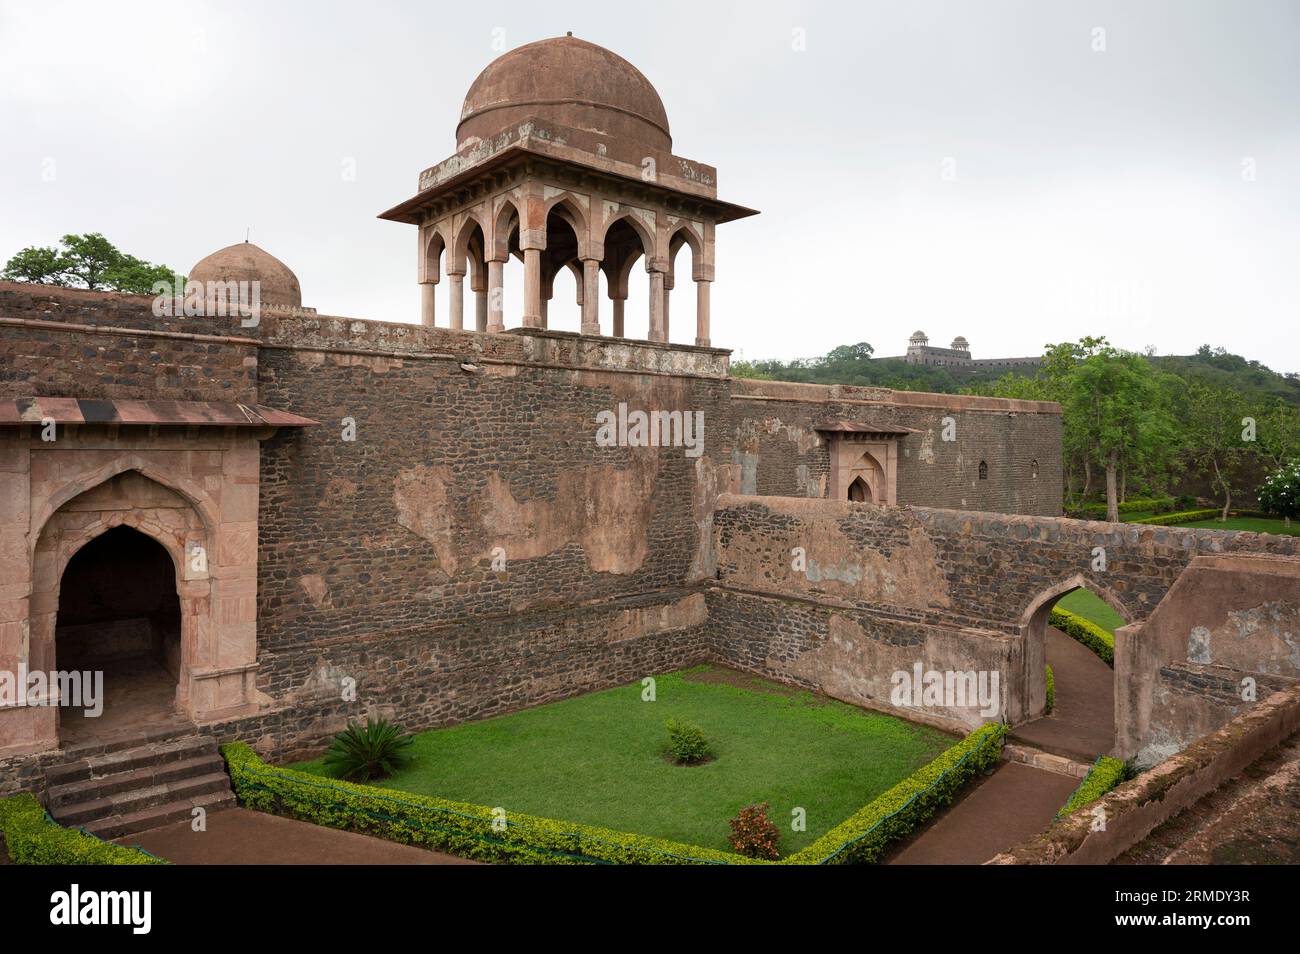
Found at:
(753, 835)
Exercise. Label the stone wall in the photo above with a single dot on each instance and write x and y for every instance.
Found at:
(778, 452)
(451, 536)
(877, 590)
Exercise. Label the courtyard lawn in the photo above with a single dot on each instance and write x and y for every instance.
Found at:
(1257, 524)
(1091, 607)
(601, 759)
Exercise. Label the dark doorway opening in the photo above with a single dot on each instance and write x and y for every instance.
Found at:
(119, 614)
(859, 491)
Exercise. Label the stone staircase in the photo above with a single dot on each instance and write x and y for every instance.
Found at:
(119, 788)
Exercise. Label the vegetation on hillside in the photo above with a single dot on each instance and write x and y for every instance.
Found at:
(1134, 424)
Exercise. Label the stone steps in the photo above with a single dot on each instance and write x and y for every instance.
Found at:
(120, 790)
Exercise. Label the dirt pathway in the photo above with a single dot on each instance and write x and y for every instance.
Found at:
(1016, 801)
(1082, 726)
(237, 836)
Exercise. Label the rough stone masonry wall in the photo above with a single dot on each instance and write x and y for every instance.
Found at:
(887, 587)
(376, 555)
(777, 451)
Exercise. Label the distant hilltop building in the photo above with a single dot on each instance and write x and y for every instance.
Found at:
(957, 357)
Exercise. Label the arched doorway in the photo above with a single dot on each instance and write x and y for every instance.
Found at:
(1081, 723)
(119, 614)
(859, 491)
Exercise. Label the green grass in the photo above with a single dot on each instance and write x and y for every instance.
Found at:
(600, 759)
(1257, 524)
(1091, 607)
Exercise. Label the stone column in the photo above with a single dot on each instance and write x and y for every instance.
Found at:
(618, 304)
(480, 309)
(545, 315)
(668, 297)
(457, 294)
(702, 313)
(657, 307)
(532, 288)
(590, 292)
(496, 275)
(426, 303)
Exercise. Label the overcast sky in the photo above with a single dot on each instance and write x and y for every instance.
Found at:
(998, 170)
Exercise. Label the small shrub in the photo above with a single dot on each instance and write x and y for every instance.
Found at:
(686, 742)
(362, 753)
(1051, 691)
(753, 834)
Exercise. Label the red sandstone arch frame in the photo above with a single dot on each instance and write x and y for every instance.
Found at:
(199, 501)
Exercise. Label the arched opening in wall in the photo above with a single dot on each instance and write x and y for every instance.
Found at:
(627, 282)
(680, 284)
(560, 293)
(119, 615)
(1033, 468)
(1070, 629)
(859, 492)
(984, 470)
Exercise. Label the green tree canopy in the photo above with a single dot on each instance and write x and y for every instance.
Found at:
(87, 261)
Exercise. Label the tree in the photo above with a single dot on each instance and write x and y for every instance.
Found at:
(42, 266)
(1278, 432)
(1112, 408)
(1212, 429)
(1280, 492)
(88, 261)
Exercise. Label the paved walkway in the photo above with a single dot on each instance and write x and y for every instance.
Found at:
(1082, 726)
(237, 836)
(1016, 801)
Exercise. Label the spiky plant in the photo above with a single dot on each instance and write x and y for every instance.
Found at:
(361, 753)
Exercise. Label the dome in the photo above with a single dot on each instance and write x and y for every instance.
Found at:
(247, 262)
(918, 336)
(574, 83)
(960, 344)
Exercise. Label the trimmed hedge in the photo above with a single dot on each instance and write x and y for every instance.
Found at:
(864, 837)
(1128, 506)
(1186, 516)
(33, 838)
(1104, 775)
(455, 827)
(1087, 632)
(468, 830)
(1051, 691)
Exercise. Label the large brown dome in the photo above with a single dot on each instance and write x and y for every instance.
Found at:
(570, 81)
(247, 262)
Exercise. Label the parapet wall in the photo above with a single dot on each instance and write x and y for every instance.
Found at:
(839, 596)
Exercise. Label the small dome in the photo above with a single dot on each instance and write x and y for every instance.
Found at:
(960, 344)
(247, 262)
(919, 336)
(571, 81)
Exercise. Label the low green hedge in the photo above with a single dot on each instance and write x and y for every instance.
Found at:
(1051, 691)
(444, 825)
(1087, 632)
(1136, 505)
(34, 839)
(865, 835)
(468, 830)
(1104, 775)
(1186, 516)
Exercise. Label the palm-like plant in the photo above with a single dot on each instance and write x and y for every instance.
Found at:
(361, 753)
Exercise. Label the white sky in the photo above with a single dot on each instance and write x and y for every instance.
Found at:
(1094, 192)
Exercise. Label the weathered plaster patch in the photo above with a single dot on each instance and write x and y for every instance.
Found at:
(317, 590)
(420, 495)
